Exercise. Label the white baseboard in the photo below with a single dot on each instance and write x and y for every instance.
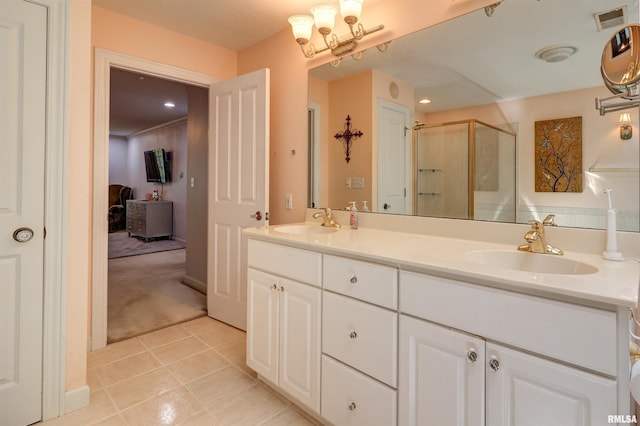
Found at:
(195, 284)
(76, 399)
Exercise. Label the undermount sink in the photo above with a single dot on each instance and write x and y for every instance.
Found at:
(304, 229)
(530, 262)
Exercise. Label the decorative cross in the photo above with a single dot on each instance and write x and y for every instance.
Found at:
(347, 136)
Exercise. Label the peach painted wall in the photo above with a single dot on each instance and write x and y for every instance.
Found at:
(79, 185)
(289, 69)
(122, 34)
(350, 96)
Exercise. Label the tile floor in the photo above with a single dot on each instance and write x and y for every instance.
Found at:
(192, 373)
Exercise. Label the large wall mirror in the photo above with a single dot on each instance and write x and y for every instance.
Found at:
(507, 86)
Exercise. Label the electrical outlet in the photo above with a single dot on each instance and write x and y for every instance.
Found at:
(288, 201)
(347, 183)
(357, 182)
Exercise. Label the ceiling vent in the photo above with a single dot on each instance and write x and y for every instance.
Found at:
(612, 18)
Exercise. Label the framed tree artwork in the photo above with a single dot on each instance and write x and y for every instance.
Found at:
(558, 155)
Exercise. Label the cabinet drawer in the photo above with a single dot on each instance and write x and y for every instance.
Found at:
(362, 280)
(300, 265)
(576, 334)
(351, 398)
(361, 335)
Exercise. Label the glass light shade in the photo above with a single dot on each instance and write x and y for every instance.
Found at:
(351, 8)
(324, 16)
(625, 118)
(301, 26)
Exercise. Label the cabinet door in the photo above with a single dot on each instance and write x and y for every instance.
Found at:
(262, 319)
(300, 342)
(525, 390)
(441, 376)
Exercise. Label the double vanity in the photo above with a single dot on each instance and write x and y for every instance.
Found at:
(377, 326)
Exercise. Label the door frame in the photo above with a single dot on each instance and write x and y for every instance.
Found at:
(104, 60)
(56, 201)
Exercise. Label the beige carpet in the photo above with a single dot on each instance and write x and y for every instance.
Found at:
(122, 245)
(146, 294)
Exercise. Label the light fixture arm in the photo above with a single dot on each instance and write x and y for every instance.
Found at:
(629, 101)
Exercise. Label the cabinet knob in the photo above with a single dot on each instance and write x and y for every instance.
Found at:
(494, 364)
(472, 355)
(353, 279)
(353, 334)
(274, 286)
(281, 288)
(352, 406)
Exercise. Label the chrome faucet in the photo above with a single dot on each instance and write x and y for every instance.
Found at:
(536, 241)
(328, 218)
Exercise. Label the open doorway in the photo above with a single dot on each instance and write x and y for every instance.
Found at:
(179, 189)
(148, 148)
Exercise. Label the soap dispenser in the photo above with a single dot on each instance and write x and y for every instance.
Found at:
(353, 215)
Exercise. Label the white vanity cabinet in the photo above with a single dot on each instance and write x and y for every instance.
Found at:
(442, 375)
(444, 371)
(283, 320)
(359, 342)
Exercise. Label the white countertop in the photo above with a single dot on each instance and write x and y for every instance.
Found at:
(615, 283)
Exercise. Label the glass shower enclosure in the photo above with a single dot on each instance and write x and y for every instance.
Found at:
(464, 170)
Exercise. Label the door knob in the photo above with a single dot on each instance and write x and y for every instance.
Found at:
(257, 215)
(386, 206)
(22, 235)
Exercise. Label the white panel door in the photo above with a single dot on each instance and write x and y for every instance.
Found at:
(238, 188)
(525, 390)
(22, 146)
(263, 324)
(394, 155)
(442, 376)
(300, 342)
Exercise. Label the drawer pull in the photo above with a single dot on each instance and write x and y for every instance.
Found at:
(352, 406)
(472, 355)
(353, 279)
(353, 335)
(494, 364)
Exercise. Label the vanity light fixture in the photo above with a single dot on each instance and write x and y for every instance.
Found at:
(626, 130)
(324, 19)
(424, 101)
(169, 104)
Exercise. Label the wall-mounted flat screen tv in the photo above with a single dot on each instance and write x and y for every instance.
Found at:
(157, 164)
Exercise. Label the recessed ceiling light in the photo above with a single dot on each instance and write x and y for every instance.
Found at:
(424, 101)
(169, 104)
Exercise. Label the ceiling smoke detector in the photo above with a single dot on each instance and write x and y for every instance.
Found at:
(556, 53)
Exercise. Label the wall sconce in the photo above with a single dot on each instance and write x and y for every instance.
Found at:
(347, 135)
(626, 130)
(324, 19)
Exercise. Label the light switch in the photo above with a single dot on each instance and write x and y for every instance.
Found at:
(357, 182)
(288, 201)
(347, 183)
(193, 182)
